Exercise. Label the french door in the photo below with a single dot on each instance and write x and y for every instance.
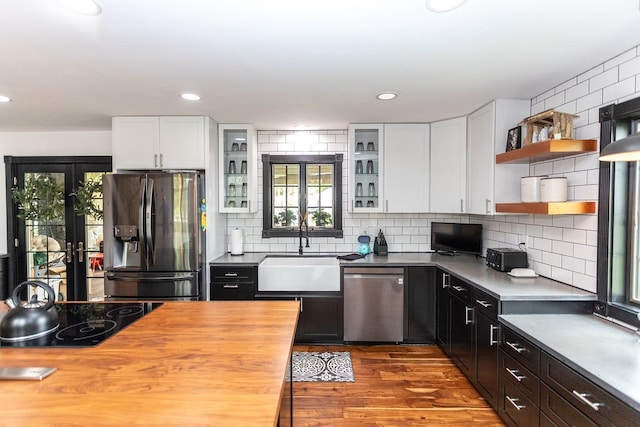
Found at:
(62, 247)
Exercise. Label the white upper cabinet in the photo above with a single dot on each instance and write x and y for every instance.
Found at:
(238, 168)
(406, 168)
(448, 166)
(167, 142)
(487, 130)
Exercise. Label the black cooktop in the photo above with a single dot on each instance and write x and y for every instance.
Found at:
(88, 324)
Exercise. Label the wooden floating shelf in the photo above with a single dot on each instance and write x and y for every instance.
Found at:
(548, 150)
(551, 208)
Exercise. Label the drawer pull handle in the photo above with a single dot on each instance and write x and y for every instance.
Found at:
(468, 319)
(583, 397)
(445, 280)
(230, 286)
(515, 405)
(493, 329)
(485, 304)
(516, 347)
(459, 288)
(230, 274)
(514, 373)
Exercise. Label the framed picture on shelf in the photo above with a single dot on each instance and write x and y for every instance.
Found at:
(513, 139)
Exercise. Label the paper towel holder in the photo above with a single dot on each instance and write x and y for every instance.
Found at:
(237, 242)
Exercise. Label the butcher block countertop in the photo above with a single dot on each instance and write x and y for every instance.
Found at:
(185, 363)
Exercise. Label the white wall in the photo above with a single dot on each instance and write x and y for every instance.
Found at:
(96, 143)
(564, 247)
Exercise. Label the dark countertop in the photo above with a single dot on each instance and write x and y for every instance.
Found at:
(605, 353)
(467, 267)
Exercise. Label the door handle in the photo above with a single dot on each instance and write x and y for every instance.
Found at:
(161, 165)
(513, 401)
(155, 160)
(493, 329)
(467, 320)
(69, 251)
(514, 373)
(80, 251)
(488, 207)
(445, 280)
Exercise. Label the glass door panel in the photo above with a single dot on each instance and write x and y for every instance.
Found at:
(236, 162)
(367, 169)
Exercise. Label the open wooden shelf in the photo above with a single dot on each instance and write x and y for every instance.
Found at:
(551, 208)
(547, 150)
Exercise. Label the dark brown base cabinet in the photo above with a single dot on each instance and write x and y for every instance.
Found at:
(537, 389)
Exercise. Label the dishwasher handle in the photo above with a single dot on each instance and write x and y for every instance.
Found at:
(361, 278)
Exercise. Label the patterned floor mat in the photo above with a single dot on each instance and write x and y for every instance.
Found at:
(329, 366)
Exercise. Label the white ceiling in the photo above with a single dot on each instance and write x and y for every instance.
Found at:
(276, 63)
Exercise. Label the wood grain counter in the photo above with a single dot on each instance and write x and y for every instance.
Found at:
(219, 363)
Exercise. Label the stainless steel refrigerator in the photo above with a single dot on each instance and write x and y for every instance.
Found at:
(153, 235)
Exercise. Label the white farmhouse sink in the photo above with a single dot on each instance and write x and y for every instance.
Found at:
(299, 273)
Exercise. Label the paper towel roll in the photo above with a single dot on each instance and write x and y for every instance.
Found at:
(237, 241)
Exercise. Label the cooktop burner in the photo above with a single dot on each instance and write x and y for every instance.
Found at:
(88, 324)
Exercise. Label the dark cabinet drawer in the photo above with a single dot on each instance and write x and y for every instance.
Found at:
(599, 405)
(234, 290)
(515, 373)
(234, 273)
(515, 408)
(461, 289)
(557, 411)
(521, 350)
(234, 282)
(486, 304)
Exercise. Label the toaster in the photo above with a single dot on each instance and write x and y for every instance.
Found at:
(505, 259)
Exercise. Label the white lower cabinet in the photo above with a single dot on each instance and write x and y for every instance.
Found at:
(448, 190)
(487, 130)
(406, 168)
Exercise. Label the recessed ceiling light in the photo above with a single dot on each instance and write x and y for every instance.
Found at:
(386, 96)
(4, 98)
(302, 127)
(83, 7)
(190, 96)
(440, 6)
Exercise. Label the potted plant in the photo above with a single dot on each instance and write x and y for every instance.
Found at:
(285, 218)
(41, 199)
(321, 218)
(87, 195)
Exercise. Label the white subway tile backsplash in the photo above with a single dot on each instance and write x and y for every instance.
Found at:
(576, 92)
(563, 248)
(573, 264)
(574, 236)
(561, 274)
(554, 101)
(590, 73)
(552, 259)
(553, 233)
(594, 99)
(602, 80)
(566, 85)
(618, 90)
(585, 252)
(630, 68)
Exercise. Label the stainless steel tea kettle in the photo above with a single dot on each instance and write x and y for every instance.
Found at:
(29, 320)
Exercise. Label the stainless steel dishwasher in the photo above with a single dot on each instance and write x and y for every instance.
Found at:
(373, 304)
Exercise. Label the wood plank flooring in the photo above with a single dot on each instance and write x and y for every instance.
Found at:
(396, 385)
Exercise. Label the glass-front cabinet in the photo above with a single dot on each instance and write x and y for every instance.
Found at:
(365, 167)
(238, 168)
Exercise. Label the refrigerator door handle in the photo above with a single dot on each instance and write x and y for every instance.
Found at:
(148, 226)
(116, 276)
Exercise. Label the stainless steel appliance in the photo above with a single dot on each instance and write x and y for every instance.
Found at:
(373, 304)
(153, 237)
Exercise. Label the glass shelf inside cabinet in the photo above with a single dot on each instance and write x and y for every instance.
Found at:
(366, 163)
(236, 164)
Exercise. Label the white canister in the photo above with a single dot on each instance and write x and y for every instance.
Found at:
(530, 189)
(237, 241)
(553, 189)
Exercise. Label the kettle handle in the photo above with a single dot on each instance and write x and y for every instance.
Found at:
(51, 296)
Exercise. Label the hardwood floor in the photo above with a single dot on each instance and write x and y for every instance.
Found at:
(395, 385)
